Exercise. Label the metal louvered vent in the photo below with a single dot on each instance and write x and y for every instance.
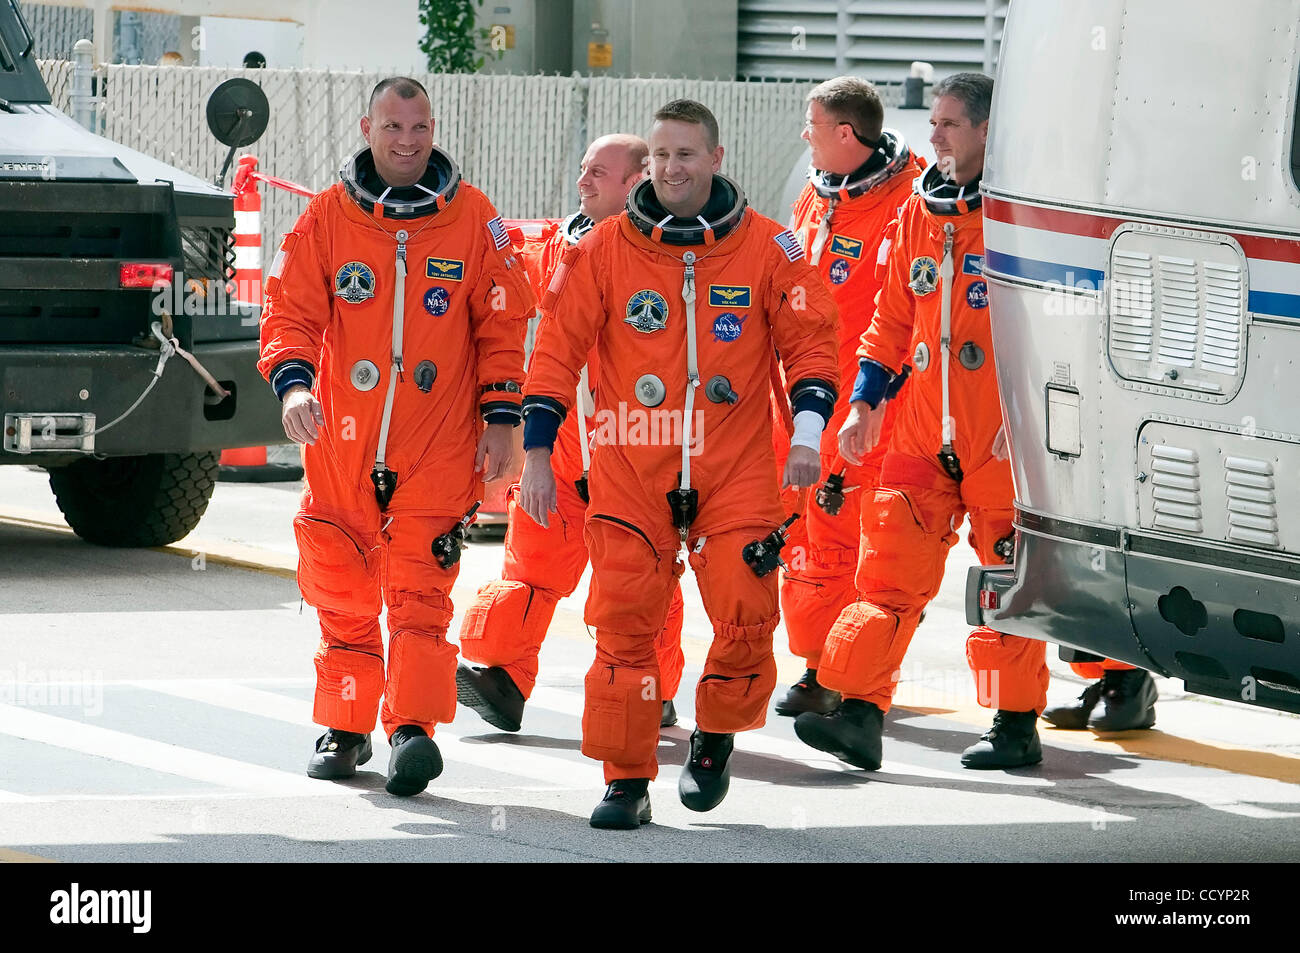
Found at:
(1225, 298)
(1252, 502)
(1176, 489)
(875, 39)
(1177, 310)
(1131, 320)
(1179, 314)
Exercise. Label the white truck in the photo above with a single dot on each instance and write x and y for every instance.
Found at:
(1142, 233)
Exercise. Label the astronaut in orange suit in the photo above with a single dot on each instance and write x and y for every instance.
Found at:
(685, 297)
(947, 459)
(861, 174)
(393, 334)
(505, 626)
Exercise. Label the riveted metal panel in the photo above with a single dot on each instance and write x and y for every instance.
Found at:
(1202, 482)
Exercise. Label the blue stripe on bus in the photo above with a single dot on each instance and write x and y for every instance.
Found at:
(1274, 302)
(1031, 269)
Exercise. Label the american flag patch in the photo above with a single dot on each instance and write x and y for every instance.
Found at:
(789, 244)
(497, 229)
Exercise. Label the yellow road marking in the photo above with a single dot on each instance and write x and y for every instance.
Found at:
(8, 856)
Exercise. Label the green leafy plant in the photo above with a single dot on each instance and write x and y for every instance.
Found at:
(452, 41)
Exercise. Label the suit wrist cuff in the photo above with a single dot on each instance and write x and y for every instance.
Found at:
(872, 382)
(813, 394)
(542, 419)
(290, 373)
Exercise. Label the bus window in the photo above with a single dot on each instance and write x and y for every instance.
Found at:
(1295, 140)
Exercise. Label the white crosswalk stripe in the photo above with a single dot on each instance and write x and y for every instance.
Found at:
(544, 757)
(535, 767)
(155, 755)
(481, 764)
(233, 696)
(558, 769)
(504, 757)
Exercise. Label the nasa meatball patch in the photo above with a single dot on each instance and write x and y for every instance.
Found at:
(839, 271)
(437, 301)
(727, 327)
(977, 295)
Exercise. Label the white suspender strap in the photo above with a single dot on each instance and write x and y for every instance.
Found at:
(692, 368)
(945, 330)
(399, 314)
(823, 232)
(580, 405)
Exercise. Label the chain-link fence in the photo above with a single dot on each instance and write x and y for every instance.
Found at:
(758, 125)
(57, 28)
(58, 77)
(518, 138)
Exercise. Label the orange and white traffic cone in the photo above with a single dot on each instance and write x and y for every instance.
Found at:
(261, 464)
(248, 232)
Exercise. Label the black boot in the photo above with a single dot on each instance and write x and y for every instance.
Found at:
(415, 761)
(493, 694)
(706, 776)
(1128, 698)
(625, 807)
(1012, 742)
(338, 753)
(669, 716)
(807, 695)
(1075, 717)
(851, 732)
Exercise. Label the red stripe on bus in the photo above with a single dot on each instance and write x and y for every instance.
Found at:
(1089, 225)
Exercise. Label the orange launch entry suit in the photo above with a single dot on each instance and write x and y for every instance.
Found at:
(631, 295)
(822, 555)
(908, 521)
(508, 620)
(330, 320)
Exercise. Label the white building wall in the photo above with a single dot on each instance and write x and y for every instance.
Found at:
(386, 38)
(227, 39)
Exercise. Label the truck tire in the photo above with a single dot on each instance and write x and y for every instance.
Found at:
(149, 500)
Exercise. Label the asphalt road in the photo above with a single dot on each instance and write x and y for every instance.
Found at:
(155, 706)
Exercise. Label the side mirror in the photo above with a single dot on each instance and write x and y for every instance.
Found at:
(237, 115)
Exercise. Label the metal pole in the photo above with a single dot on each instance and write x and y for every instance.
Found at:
(990, 26)
(103, 31)
(580, 138)
(842, 21)
(83, 96)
